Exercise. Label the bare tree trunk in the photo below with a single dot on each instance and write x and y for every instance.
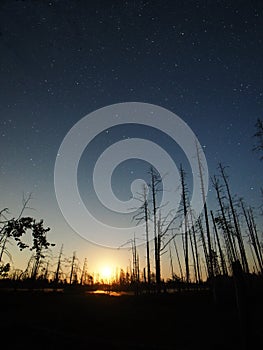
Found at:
(158, 262)
(135, 267)
(146, 218)
(248, 214)
(210, 266)
(135, 262)
(223, 263)
(155, 229)
(187, 273)
(203, 244)
(178, 259)
(83, 272)
(228, 237)
(195, 246)
(144, 275)
(171, 262)
(256, 236)
(256, 267)
(72, 268)
(236, 224)
(58, 265)
(193, 254)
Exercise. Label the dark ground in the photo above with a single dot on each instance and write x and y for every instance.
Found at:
(184, 321)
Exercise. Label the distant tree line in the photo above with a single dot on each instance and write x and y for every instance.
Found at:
(217, 243)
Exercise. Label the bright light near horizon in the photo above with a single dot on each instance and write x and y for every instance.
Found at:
(106, 273)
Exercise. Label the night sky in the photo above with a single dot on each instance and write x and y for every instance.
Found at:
(61, 60)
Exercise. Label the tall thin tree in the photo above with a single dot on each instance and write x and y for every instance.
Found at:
(235, 220)
(210, 256)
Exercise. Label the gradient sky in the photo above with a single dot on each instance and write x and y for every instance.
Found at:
(60, 60)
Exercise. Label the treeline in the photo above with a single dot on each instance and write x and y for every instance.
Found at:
(221, 242)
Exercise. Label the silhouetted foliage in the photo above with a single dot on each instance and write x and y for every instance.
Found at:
(15, 229)
(4, 269)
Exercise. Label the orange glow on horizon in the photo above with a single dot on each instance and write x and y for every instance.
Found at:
(106, 273)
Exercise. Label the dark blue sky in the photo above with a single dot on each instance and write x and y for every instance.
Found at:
(61, 60)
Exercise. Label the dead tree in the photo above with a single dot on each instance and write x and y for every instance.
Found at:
(143, 215)
(72, 269)
(178, 258)
(193, 255)
(57, 273)
(252, 230)
(222, 222)
(185, 220)
(158, 255)
(235, 221)
(251, 215)
(222, 258)
(201, 230)
(194, 233)
(171, 262)
(135, 263)
(155, 182)
(160, 226)
(46, 273)
(83, 272)
(189, 230)
(146, 219)
(210, 256)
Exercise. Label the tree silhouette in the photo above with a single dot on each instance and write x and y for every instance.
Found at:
(15, 229)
